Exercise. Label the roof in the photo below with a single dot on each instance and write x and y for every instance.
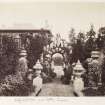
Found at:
(24, 30)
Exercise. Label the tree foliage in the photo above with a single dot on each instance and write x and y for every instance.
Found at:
(72, 36)
(81, 48)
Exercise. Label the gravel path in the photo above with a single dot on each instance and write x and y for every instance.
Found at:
(56, 88)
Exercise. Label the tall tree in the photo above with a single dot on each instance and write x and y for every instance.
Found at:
(72, 36)
(78, 51)
(91, 33)
(91, 42)
(101, 38)
(81, 37)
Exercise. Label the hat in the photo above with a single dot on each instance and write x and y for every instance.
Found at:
(38, 66)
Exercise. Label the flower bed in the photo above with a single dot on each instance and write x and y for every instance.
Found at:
(13, 85)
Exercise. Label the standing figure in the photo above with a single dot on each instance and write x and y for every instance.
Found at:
(37, 80)
(67, 74)
(46, 68)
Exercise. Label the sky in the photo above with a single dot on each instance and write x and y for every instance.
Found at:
(60, 17)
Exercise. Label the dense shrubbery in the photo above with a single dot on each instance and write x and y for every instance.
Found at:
(7, 65)
(83, 44)
(94, 92)
(11, 83)
(14, 85)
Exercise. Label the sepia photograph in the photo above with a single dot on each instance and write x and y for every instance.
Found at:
(52, 49)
